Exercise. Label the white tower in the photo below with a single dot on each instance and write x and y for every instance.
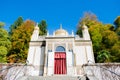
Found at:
(35, 55)
(85, 32)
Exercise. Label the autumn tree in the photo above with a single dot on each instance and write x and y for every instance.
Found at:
(42, 27)
(103, 37)
(88, 19)
(20, 42)
(5, 43)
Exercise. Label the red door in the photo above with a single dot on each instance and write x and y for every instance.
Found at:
(60, 63)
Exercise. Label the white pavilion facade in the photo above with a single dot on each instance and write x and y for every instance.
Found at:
(59, 54)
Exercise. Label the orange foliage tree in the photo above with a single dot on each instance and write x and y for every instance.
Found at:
(20, 42)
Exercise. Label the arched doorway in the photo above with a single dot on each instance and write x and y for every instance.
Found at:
(60, 61)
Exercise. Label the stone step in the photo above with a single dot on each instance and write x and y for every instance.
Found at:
(52, 78)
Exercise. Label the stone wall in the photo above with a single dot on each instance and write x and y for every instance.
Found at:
(102, 71)
(14, 71)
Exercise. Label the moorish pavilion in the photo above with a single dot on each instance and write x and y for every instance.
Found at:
(60, 53)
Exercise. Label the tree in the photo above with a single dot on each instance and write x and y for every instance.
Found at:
(17, 23)
(103, 37)
(43, 27)
(3, 53)
(20, 42)
(117, 25)
(1, 24)
(88, 19)
(117, 22)
(94, 25)
(96, 36)
(109, 38)
(5, 44)
(115, 50)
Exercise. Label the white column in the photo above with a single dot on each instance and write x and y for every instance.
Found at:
(37, 56)
(70, 68)
(90, 55)
(50, 64)
(45, 60)
(31, 53)
(45, 65)
(34, 58)
(36, 61)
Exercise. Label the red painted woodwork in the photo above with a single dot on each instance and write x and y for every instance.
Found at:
(60, 63)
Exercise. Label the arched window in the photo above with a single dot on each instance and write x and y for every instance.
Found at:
(60, 49)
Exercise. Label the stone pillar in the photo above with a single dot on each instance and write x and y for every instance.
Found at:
(45, 60)
(75, 64)
(90, 55)
(50, 70)
(45, 65)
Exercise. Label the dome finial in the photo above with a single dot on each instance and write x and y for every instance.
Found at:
(60, 26)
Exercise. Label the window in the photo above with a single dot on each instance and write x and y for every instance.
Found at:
(60, 49)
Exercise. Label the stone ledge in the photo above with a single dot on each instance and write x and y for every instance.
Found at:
(15, 64)
(103, 64)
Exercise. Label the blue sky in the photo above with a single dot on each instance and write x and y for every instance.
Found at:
(56, 12)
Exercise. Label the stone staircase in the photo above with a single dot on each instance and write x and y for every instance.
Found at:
(53, 78)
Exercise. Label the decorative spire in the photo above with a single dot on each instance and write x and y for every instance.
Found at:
(36, 27)
(60, 26)
(47, 33)
(37, 24)
(72, 33)
(53, 33)
(85, 27)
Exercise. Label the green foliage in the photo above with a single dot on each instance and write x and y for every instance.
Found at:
(1, 24)
(115, 50)
(20, 42)
(4, 38)
(104, 38)
(3, 53)
(103, 56)
(118, 31)
(96, 36)
(117, 22)
(5, 45)
(109, 38)
(117, 25)
(43, 27)
(17, 23)
(79, 32)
